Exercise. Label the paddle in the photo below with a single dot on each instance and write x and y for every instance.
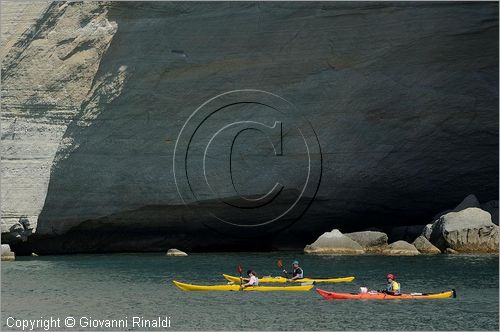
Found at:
(280, 266)
(279, 263)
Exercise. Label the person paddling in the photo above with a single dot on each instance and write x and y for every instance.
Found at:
(393, 287)
(254, 281)
(297, 273)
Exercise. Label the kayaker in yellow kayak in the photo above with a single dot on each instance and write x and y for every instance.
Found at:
(393, 287)
(254, 281)
(297, 273)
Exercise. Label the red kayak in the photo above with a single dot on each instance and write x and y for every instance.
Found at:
(383, 296)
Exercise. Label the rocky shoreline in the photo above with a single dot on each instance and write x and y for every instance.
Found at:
(465, 229)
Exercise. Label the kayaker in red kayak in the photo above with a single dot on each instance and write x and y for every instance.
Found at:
(393, 287)
(297, 273)
(254, 281)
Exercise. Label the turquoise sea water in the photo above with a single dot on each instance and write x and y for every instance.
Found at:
(140, 285)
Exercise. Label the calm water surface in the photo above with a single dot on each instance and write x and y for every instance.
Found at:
(115, 286)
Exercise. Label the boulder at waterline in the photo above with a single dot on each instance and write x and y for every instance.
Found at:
(469, 230)
(334, 243)
(18, 231)
(424, 246)
(492, 208)
(401, 248)
(450, 251)
(426, 232)
(175, 252)
(370, 241)
(7, 254)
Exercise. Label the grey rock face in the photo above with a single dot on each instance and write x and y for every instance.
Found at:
(406, 233)
(469, 230)
(334, 243)
(369, 240)
(7, 254)
(401, 248)
(50, 58)
(469, 201)
(492, 208)
(175, 252)
(94, 96)
(425, 247)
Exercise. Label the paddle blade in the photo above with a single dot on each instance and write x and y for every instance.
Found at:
(280, 263)
(239, 269)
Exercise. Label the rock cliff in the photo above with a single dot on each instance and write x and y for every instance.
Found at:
(49, 61)
(387, 113)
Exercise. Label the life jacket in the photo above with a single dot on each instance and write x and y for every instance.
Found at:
(395, 287)
(298, 272)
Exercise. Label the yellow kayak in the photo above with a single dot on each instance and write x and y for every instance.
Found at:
(233, 287)
(283, 279)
